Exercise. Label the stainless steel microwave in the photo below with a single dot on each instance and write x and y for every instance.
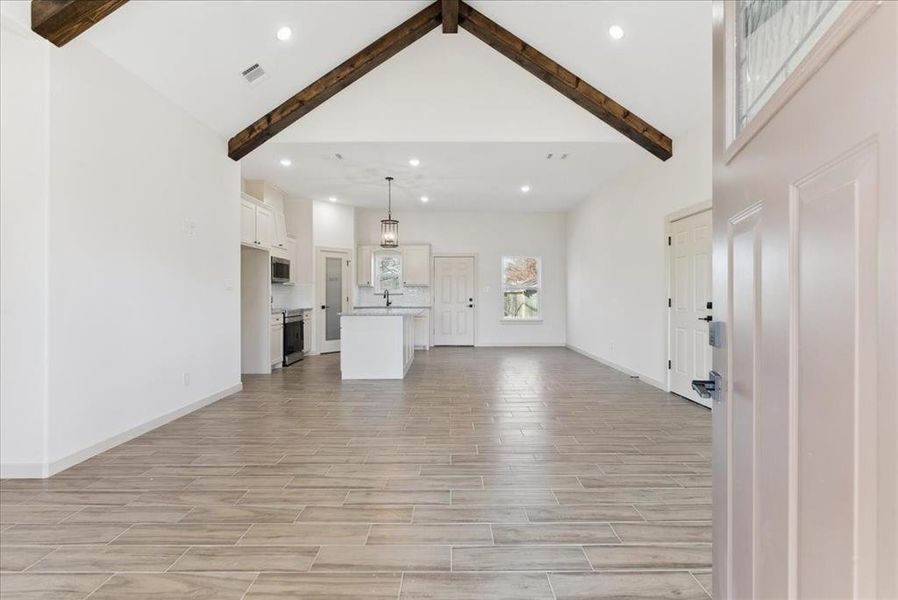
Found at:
(280, 270)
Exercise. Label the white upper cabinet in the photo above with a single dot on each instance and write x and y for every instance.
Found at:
(416, 264)
(247, 223)
(364, 276)
(264, 227)
(280, 231)
(257, 225)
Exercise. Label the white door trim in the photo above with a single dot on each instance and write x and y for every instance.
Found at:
(318, 321)
(476, 291)
(677, 215)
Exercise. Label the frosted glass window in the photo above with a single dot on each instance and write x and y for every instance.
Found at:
(772, 38)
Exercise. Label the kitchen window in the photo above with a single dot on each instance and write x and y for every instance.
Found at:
(521, 287)
(387, 272)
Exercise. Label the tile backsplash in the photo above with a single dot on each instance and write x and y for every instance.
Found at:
(291, 296)
(407, 296)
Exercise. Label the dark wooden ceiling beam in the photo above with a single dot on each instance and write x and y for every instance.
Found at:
(566, 82)
(338, 79)
(450, 16)
(61, 21)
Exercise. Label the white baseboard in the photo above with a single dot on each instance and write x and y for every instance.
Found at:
(22, 471)
(519, 345)
(28, 471)
(642, 377)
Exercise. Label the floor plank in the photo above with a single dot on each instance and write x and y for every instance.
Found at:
(486, 473)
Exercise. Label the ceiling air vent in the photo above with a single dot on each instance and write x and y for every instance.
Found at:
(254, 75)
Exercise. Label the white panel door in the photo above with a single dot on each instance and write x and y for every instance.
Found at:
(805, 238)
(690, 293)
(453, 301)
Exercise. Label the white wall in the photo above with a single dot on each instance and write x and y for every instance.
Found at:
(333, 225)
(135, 300)
(24, 68)
(491, 236)
(617, 268)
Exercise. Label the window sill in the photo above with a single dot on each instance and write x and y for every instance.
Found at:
(521, 321)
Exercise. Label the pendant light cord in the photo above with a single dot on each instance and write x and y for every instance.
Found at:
(390, 198)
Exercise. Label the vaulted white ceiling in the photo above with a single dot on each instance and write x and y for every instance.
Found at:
(444, 89)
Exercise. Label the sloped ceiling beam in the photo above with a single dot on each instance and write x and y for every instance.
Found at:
(562, 80)
(500, 39)
(450, 16)
(331, 83)
(61, 21)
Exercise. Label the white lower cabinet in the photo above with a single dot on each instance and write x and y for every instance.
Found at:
(307, 331)
(422, 330)
(277, 339)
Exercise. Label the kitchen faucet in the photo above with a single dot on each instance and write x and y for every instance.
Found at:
(386, 295)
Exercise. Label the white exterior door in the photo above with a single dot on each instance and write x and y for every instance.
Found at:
(805, 462)
(690, 294)
(333, 280)
(453, 301)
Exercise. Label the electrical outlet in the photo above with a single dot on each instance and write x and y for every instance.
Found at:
(186, 379)
(229, 284)
(189, 226)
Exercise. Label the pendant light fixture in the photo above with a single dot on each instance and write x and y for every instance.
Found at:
(389, 227)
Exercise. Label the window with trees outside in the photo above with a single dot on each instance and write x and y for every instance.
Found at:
(387, 271)
(521, 283)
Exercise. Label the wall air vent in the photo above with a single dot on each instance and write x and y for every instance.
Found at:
(254, 75)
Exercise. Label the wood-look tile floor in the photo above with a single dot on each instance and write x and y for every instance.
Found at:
(486, 474)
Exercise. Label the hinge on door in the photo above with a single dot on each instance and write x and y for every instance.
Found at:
(668, 241)
(669, 303)
(669, 365)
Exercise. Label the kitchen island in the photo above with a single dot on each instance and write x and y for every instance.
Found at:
(377, 343)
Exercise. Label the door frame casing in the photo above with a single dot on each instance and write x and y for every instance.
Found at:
(677, 215)
(320, 290)
(433, 296)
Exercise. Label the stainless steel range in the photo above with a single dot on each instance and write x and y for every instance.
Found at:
(294, 336)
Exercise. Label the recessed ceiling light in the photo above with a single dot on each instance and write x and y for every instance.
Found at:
(414, 162)
(332, 199)
(616, 32)
(425, 199)
(284, 33)
(525, 188)
(286, 162)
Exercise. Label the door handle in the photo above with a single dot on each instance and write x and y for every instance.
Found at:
(323, 307)
(709, 318)
(708, 388)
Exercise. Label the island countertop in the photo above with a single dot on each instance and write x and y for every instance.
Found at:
(384, 312)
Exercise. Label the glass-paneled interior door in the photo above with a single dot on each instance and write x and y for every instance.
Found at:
(333, 297)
